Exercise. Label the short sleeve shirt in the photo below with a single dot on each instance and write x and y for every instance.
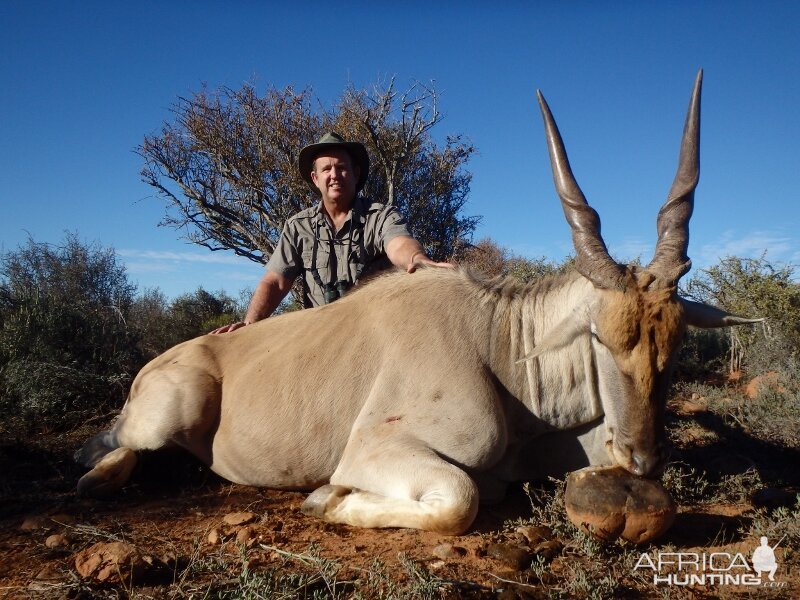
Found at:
(355, 251)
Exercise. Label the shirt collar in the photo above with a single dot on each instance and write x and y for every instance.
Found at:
(359, 209)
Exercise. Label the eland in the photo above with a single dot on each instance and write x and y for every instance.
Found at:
(447, 386)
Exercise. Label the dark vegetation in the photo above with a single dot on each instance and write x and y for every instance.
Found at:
(74, 332)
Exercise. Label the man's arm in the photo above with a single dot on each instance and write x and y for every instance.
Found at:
(269, 293)
(406, 252)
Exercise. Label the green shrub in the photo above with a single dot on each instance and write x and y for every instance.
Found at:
(66, 348)
(703, 353)
(754, 288)
(73, 333)
(198, 313)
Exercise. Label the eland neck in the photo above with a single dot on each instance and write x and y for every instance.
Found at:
(560, 386)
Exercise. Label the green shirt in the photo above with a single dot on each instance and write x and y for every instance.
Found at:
(359, 247)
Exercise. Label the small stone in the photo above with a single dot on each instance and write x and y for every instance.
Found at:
(56, 541)
(110, 562)
(213, 537)
(548, 549)
(692, 408)
(238, 518)
(448, 551)
(610, 502)
(33, 523)
(515, 557)
(171, 560)
(246, 536)
(535, 534)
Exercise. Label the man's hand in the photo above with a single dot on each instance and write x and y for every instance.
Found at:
(229, 328)
(407, 253)
(268, 294)
(419, 259)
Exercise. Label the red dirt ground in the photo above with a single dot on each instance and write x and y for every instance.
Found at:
(173, 515)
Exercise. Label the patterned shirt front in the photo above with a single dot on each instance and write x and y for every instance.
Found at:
(358, 249)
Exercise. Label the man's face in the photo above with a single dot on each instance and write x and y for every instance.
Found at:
(335, 176)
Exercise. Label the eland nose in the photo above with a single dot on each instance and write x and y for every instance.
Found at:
(644, 464)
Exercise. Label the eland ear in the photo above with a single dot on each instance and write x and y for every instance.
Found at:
(709, 317)
(560, 335)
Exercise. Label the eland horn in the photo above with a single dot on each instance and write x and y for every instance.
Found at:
(593, 260)
(670, 261)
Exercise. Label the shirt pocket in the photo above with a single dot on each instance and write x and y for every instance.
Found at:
(323, 262)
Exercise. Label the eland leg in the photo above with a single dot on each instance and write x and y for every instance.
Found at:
(167, 407)
(396, 481)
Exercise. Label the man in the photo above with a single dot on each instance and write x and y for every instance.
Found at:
(337, 242)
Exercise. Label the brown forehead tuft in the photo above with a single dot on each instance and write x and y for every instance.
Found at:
(642, 327)
(640, 314)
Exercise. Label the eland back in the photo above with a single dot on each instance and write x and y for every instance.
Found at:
(415, 396)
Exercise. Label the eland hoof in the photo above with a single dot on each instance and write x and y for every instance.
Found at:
(609, 502)
(109, 475)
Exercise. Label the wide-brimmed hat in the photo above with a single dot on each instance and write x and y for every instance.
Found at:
(333, 140)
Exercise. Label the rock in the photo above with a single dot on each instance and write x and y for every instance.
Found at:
(691, 408)
(109, 562)
(246, 536)
(610, 502)
(32, 523)
(448, 551)
(549, 549)
(214, 537)
(516, 557)
(172, 561)
(239, 518)
(56, 541)
(535, 534)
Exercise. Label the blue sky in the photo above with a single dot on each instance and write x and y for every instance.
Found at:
(83, 82)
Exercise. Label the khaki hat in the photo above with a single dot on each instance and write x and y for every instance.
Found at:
(333, 140)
